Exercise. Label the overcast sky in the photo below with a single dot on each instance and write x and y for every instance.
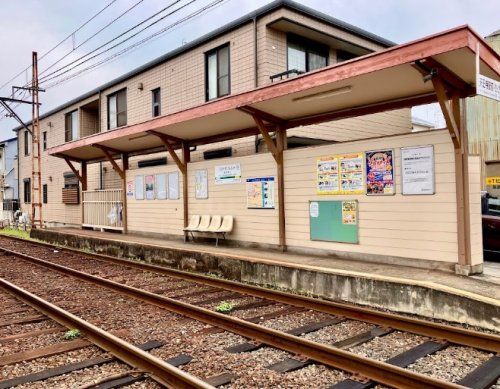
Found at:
(39, 25)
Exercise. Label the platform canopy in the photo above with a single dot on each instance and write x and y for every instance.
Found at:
(398, 77)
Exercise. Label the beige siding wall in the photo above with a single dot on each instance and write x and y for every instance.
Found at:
(421, 227)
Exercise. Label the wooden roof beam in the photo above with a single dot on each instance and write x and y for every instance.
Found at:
(270, 118)
(429, 67)
(166, 136)
(74, 170)
(267, 138)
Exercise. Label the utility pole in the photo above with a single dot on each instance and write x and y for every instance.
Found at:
(36, 174)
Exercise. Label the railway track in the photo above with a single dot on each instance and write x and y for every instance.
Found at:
(184, 286)
(163, 372)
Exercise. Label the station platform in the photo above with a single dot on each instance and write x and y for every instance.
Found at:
(432, 293)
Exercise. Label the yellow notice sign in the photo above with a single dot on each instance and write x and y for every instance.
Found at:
(493, 181)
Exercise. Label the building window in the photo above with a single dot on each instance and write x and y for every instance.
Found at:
(27, 190)
(305, 55)
(44, 140)
(117, 109)
(45, 193)
(156, 100)
(71, 126)
(345, 56)
(27, 142)
(217, 72)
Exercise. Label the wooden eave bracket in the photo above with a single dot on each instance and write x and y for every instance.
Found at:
(74, 170)
(166, 140)
(448, 88)
(263, 115)
(107, 152)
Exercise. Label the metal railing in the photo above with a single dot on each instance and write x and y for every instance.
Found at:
(103, 209)
(286, 74)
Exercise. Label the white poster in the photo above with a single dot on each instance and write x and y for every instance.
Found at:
(201, 184)
(314, 209)
(417, 170)
(228, 174)
(173, 185)
(139, 187)
(161, 186)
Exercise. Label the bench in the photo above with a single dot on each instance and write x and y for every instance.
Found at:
(216, 225)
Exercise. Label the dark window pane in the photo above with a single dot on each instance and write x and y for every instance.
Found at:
(296, 57)
(223, 62)
(121, 119)
(224, 86)
(45, 193)
(316, 61)
(156, 102)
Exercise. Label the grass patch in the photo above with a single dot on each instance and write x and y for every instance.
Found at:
(15, 233)
(71, 334)
(225, 307)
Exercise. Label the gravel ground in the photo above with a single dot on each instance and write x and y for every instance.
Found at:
(343, 330)
(30, 343)
(40, 364)
(79, 378)
(388, 346)
(284, 323)
(450, 364)
(28, 327)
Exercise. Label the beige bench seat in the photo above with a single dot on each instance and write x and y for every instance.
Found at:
(216, 224)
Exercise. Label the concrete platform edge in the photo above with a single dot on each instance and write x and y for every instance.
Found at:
(422, 298)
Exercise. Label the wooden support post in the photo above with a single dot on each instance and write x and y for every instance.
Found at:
(83, 182)
(186, 158)
(281, 144)
(125, 167)
(74, 170)
(110, 158)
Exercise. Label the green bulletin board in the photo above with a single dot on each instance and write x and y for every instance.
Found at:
(334, 221)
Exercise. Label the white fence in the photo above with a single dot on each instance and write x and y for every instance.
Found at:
(103, 209)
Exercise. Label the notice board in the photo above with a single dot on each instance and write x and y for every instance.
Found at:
(334, 221)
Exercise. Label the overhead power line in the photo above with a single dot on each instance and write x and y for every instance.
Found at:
(61, 42)
(60, 70)
(134, 45)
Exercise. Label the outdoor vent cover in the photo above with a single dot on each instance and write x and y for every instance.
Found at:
(152, 162)
(220, 153)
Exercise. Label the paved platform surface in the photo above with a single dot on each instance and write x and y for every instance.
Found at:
(484, 287)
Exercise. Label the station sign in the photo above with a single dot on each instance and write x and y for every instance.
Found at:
(488, 87)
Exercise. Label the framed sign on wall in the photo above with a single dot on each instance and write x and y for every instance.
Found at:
(201, 184)
(417, 170)
(139, 187)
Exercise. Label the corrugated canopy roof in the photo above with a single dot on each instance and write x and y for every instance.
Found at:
(380, 81)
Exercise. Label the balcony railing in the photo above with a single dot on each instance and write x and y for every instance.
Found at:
(285, 75)
(103, 209)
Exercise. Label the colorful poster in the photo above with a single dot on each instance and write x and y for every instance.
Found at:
(201, 184)
(150, 187)
(161, 186)
(139, 187)
(340, 174)
(350, 212)
(328, 175)
(417, 170)
(228, 174)
(130, 189)
(260, 192)
(380, 172)
(173, 186)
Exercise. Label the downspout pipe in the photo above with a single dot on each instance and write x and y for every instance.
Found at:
(255, 71)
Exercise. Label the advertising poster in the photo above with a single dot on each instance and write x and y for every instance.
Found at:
(173, 186)
(328, 175)
(340, 174)
(139, 187)
(417, 170)
(150, 187)
(161, 186)
(201, 184)
(351, 173)
(380, 172)
(130, 189)
(350, 212)
(228, 174)
(260, 192)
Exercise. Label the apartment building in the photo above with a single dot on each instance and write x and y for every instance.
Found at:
(281, 40)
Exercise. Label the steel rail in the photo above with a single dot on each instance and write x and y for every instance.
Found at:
(377, 371)
(159, 370)
(457, 335)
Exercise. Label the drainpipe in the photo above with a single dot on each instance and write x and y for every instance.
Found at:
(18, 172)
(101, 178)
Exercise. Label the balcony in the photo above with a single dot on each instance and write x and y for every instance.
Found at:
(288, 74)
